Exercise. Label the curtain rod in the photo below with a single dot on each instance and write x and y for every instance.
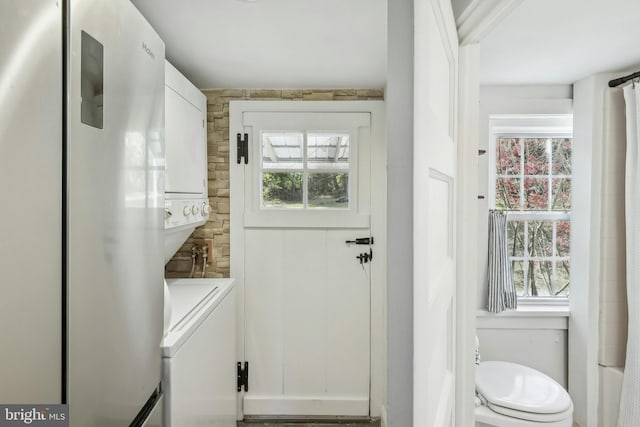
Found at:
(621, 80)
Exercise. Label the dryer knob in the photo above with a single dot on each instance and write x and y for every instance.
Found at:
(186, 211)
(194, 210)
(206, 208)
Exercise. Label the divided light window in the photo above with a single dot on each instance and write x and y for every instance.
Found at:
(305, 170)
(532, 182)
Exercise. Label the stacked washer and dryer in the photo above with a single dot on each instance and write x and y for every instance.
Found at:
(199, 346)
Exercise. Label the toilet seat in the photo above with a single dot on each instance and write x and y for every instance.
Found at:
(520, 392)
(531, 416)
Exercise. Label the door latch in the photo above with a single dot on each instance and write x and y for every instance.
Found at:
(360, 241)
(365, 257)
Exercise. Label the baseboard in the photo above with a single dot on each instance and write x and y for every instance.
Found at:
(383, 416)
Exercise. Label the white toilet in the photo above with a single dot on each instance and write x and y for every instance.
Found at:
(513, 395)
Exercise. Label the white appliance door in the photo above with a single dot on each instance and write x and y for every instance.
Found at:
(185, 132)
(30, 167)
(115, 204)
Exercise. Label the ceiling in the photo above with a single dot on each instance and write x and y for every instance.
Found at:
(274, 43)
(342, 43)
(562, 41)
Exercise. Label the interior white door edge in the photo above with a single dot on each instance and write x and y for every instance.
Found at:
(435, 213)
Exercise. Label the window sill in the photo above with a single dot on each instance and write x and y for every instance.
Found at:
(526, 317)
(530, 310)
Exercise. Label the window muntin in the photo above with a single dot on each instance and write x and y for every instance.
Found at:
(532, 182)
(305, 170)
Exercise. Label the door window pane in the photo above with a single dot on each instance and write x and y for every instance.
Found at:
(282, 190)
(282, 150)
(328, 151)
(328, 190)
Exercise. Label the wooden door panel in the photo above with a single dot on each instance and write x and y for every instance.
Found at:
(305, 308)
(348, 316)
(307, 297)
(264, 309)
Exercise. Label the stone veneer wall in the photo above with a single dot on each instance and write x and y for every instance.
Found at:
(217, 228)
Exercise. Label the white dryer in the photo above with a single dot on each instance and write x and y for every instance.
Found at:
(199, 354)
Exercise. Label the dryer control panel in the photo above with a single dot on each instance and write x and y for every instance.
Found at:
(181, 212)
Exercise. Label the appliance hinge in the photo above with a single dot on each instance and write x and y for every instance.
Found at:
(243, 148)
(243, 376)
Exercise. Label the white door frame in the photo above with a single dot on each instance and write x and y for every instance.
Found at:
(467, 244)
(476, 22)
(378, 224)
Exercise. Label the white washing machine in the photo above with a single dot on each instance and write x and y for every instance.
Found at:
(199, 354)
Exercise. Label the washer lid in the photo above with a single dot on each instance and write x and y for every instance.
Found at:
(520, 388)
(192, 301)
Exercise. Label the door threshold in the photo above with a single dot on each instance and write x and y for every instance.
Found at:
(305, 419)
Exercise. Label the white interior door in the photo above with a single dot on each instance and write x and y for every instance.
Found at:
(435, 77)
(307, 314)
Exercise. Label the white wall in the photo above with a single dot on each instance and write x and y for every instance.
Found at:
(556, 99)
(585, 226)
(536, 341)
(399, 101)
(459, 6)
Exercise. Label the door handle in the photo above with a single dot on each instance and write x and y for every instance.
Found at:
(360, 241)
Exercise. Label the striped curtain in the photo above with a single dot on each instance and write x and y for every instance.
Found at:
(502, 292)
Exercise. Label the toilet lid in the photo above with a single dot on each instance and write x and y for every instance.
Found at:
(511, 387)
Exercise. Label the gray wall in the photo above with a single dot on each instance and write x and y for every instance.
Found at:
(399, 100)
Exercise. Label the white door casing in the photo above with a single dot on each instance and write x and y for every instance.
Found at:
(311, 324)
(435, 152)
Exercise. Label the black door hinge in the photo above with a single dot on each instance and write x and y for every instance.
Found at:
(243, 148)
(243, 376)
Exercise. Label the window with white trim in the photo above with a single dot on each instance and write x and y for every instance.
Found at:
(531, 183)
(305, 170)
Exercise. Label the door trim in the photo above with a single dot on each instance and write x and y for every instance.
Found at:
(378, 224)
